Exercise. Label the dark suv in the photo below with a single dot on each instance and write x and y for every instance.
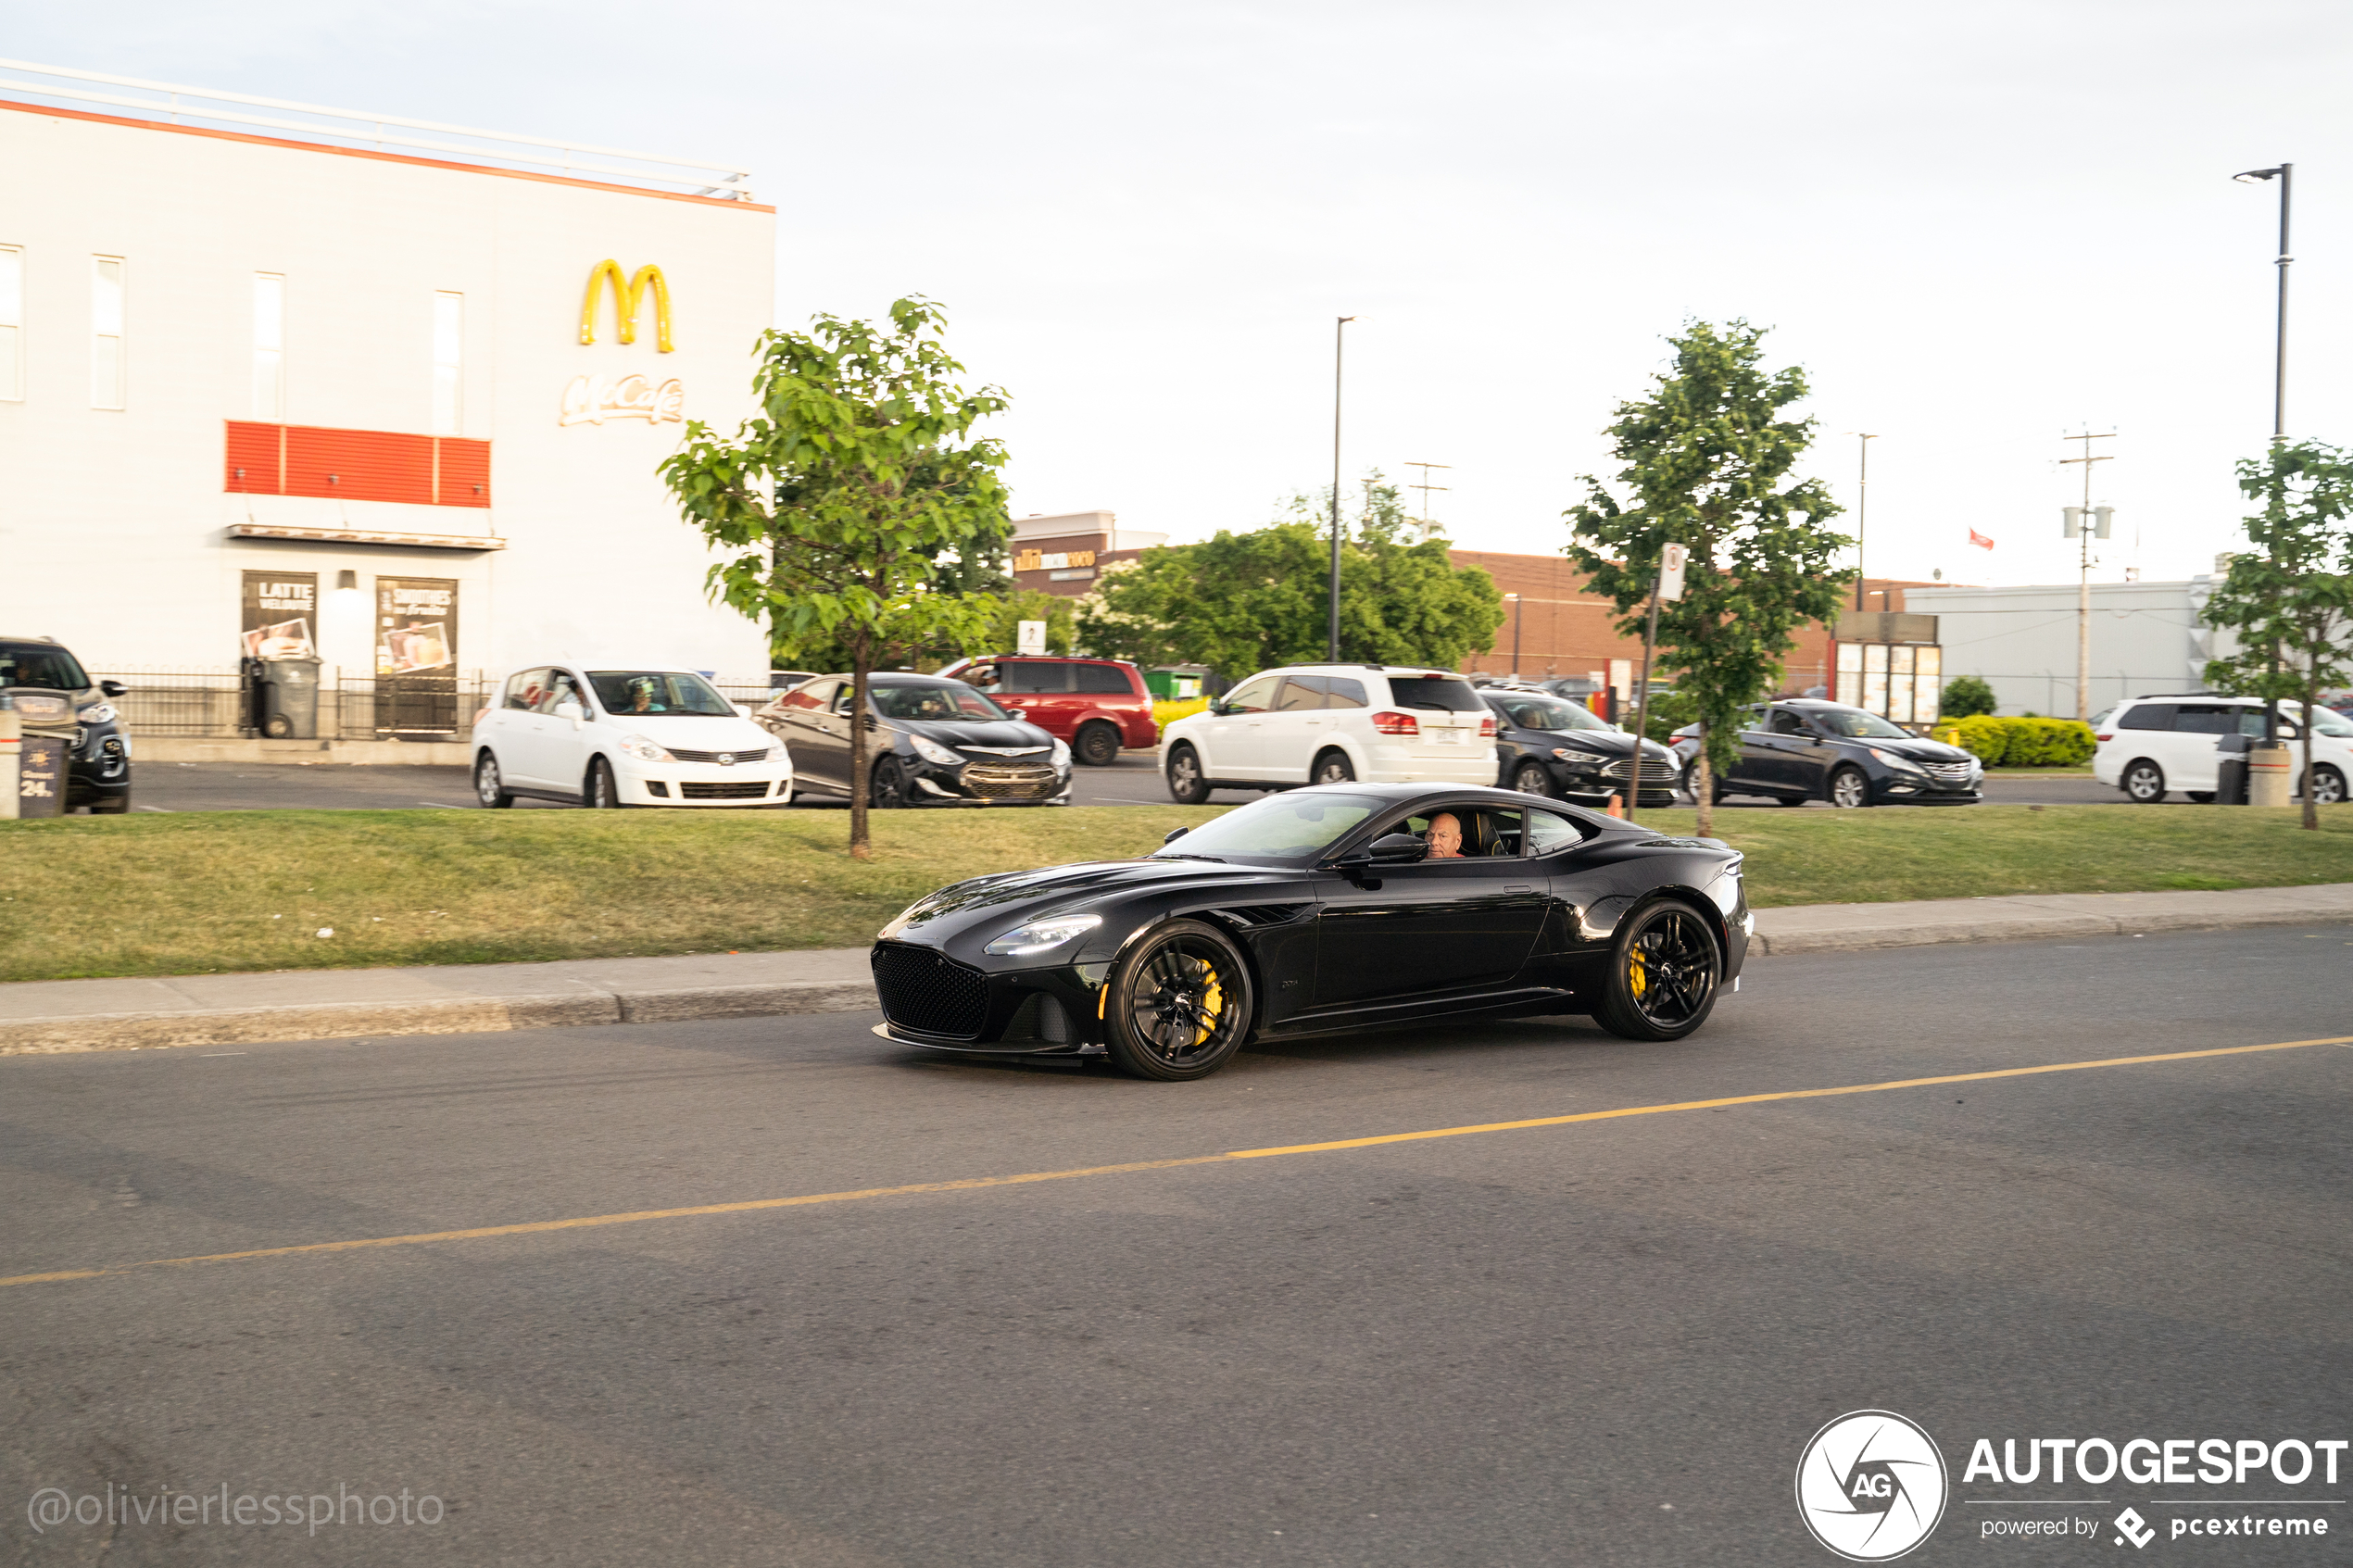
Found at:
(1806, 749)
(54, 696)
(1096, 705)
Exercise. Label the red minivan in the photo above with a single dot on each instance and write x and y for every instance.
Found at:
(1097, 705)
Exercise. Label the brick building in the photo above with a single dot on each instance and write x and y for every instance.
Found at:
(1066, 554)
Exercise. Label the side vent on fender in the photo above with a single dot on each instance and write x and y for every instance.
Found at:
(1264, 914)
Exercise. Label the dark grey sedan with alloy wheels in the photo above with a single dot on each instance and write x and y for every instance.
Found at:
(1323, 911)
(1806, 749)
(930, 741)
(1545, 745)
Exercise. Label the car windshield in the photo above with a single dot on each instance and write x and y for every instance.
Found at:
(44, 665)
(646, 694)
(1548, 713)
(1292, 829)
(1856, 724)
(933, 700)
(1447, 694)
(2328, 721)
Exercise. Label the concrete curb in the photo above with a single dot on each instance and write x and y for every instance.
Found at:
(220, 1010)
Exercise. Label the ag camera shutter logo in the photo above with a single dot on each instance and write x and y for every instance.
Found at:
(1872, 1485)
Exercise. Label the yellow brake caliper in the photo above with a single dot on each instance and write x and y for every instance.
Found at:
(1638, 976)
(1213, 1002)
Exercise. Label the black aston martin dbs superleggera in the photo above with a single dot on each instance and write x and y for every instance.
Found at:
(1323, 911)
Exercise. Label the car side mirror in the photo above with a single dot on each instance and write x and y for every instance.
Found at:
(570, 711)
(1397, 848)
(1176, 833)
(1018, 713)
(744, 708)
(113, 688)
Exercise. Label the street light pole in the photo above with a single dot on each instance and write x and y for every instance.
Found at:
(1516, 616)
(1340, 330)
(1862, 505)
(2286, 173)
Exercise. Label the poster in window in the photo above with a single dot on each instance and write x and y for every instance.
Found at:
(281, 608)
(416, 626)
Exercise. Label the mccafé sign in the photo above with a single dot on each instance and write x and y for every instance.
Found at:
(592, 399)
(1040, 561)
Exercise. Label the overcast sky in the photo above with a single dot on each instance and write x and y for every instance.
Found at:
(1977, 226)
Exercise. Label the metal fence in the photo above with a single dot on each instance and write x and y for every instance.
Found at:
(217, 704)
(415, 708)
(179, 702)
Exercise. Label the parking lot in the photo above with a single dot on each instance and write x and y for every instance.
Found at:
(1133, 780)
(786, 1293)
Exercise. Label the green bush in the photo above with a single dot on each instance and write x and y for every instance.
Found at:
(1965, 696)
(2019, 743)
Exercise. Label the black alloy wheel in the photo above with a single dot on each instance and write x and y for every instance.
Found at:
(1185, 784)
(2328, 787)
(600, 791)
(1665, 970)
(1332, 767)
(1098, 745)
(1850, 789)
(1529, 778)
(1180, 1004)
(2143, 783)
(889, 791)
(489, 786)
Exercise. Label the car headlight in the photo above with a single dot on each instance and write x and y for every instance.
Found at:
(644, 750)
(1061, 754)
(1903, 764)
(97, 714)
(1040, 934)
(1581, 758)
(932, 751)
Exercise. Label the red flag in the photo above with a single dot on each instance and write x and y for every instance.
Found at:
(1979, 540)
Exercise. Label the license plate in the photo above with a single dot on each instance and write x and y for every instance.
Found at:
(1446, 737)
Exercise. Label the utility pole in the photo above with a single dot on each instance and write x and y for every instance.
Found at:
(2285, 173)
(1515, 600)
(1862, 505)
(1340, 333)
(1429, 524)
(2083, 524)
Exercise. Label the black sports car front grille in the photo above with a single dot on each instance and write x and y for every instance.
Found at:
(731, 790)
(682, 755)
(1007, 781)
(929, 992)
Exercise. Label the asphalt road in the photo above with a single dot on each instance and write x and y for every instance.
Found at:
(1598, 1342)
(1133, 780)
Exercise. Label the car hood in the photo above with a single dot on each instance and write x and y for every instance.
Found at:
(1005, 732)
(1005, 899)
(696, 732)
(1602, 743)
(1920, 750)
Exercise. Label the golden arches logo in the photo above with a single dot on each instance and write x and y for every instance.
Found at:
(625, 299)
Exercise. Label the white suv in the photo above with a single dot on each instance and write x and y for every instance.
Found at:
(623, 737)
(2151, 744)
(1328, 723)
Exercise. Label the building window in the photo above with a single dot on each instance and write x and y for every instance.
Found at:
(106, 332)
(11, 323)
(448, 363)
(269, 346)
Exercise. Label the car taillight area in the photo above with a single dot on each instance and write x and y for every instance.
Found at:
(2103, 738)
(1487, 727)
(1388, 722)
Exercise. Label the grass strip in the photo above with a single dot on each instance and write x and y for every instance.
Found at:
(199, 892)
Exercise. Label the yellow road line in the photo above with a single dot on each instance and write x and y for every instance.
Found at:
(973, 1184)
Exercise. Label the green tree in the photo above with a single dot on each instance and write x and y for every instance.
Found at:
(1243, 602)
(2290, 599)
(1706, 455)
(1001, 632)
(852, 494)
(1965, 696)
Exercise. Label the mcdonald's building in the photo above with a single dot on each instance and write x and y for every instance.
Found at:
(279, 381)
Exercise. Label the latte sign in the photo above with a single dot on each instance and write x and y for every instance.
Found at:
(591, 400)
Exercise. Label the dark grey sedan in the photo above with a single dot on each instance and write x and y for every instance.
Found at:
(929, 741)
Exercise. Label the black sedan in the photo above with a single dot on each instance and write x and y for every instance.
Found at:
(1806, 749)
(1546, 746)
(1323, 911)
(929, 741)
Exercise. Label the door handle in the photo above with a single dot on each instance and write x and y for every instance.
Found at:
(1519, 887)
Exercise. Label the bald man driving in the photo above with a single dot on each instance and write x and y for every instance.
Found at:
(1444, 838)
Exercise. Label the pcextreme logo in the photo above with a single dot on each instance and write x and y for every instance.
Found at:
(1872, 1485)
(626, 298)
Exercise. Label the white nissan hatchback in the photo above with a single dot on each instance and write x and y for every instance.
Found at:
(623, 737)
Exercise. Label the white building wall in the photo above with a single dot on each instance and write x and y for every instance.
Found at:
(2145, 638)
(112, 521)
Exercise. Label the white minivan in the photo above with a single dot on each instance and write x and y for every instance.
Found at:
(1329, 723)
(623, 737)
(2149, 746)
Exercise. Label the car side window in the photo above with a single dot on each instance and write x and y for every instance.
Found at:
(2148, 716)
(1478, 832)
(1035, 676)
(844, 695)
(1252, 696)
(981, 677)
(524, 689)
(562, 686)
(1299, 693)
(1103, 680)
(1547, 833)
(2252, 724)
(807, 696)
(1786, 723)
(2205, 719)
